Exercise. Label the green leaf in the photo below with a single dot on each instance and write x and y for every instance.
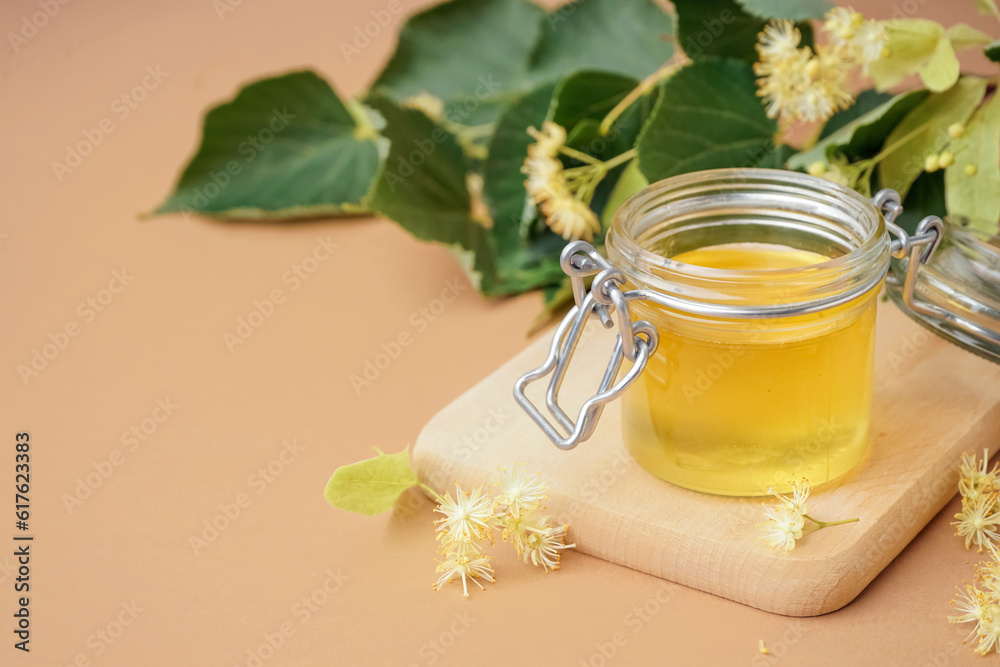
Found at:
(721, 28)
(992, 51)
(926, 197)
(633, 38)
(865, 101)
(371, 486)
(582, 101)
(913, 44)
(963, 36)
(977, 198)
(864, 136)
(469, 53)
(503, 182)
(283, 147)
(422, 186)
(708, 116)
(924, 131)
(793, 10)
(630, 182)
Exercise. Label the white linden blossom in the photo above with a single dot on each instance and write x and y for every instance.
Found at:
(518, 527)
(462, 559)
(779, 41)
(989, 631)
(520, 490)
(972, 604)
(870, 42)
(800, 494)
(571, 218)
(545, 178)
(978, 520)
(544, 548)
(547, 142)
(976, 479)
(468, 517)
(782, 526)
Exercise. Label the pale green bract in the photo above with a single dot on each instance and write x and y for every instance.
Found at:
(925, 131)
(977, 198)
(371, 486)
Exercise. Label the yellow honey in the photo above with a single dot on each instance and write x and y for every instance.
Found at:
(736, 407)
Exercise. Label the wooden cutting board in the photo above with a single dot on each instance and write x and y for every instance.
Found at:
(932, 402)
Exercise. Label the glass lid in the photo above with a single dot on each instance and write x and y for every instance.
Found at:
(956, 294)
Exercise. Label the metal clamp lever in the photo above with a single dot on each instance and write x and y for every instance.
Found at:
(636, 341)
(920, 248)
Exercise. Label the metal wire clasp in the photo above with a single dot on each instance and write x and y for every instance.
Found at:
(636, 341)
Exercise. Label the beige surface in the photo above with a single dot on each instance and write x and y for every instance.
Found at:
(162, 337)
(622, 514)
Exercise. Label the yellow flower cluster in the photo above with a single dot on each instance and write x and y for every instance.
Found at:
(470, 518)
(980, 516)
(550, 188)
(799, 84)
(783, 523)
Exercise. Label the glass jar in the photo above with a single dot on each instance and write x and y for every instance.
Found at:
(731, 404)
(745, 302)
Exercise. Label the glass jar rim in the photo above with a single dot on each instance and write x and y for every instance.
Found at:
(786, 199)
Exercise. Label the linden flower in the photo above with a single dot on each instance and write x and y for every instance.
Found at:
(782, 526)
(462, 559)
(989, 631)
(571, 218)
(519, 527)
(975, 478)
(779, 42)
(547, 142)
(972, 603)
(520, 490)
(545, 178)
(544, 548)
(796, 84)
(468, 517)
(977, 521)
(861, 42)
(800, 494)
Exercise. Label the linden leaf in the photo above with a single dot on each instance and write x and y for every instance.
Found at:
(371, 486)
(912, 42)
(630, 182)
(941, 71)
(963, 36)
(925, 131)
(863, 136)
(992, 51)
(977, 197)
(793, 10)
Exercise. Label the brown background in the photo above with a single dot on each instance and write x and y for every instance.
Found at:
(162, 337)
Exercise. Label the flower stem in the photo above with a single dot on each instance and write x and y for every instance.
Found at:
(637, 92)
(620, 158)
(433, 494)
(824, 524)
(582, 157)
